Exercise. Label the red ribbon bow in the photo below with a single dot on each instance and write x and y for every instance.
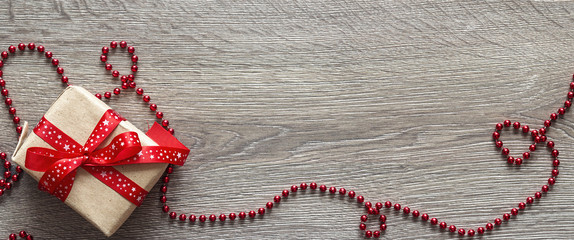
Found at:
(60, 165)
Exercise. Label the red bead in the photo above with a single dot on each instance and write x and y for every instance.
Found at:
(521, 206)
(59, 70)
(163, 199)
(570, 95)
(383, 218)
(125, 86)
(4, 92)
(442, 225)
(212, 218)
(480, 230)
(16, 120)
(123, 44)
(146, 98)
(242, 215)
(165, 123)
(108, 66)
(525, 129)
(388, 204)
(1, 63)
(182, 217)
(202, 218)
(567, 104)
(498, 144)
(543, 139)
(362, 226)
(547, 123)
(397, 207)
(461, 232)
(232, 216)
(505, 151)
(124, 78)
(134, 68)
(7, 165)
(269, 205)
(64, 79)
(134, 59)
(293, 188)
(360, 199)
(506, 216)
(495, 135)
(285, 193)
(4, 55)
(507, 123)
(553, 116)
(518, 161)
(303, 186)
(497, 221)
(416, 213)
(3, 155)
(368, 234)
(537, 195)
(425, 217)
(160, 116)
(23, 234)
(351, 194)
(489, 226)
(222, 217)
(171, 131)
(105, 50)
(555, 172)
(534, 133)
(406, 210)
(22, 46)
(41, 48)
(31, 46)
(132, 84)
(15, 177)
(470, 232)
(117, 91)
(434, 221)
(364, 218)
(261, 211)
(532, 148)
(277, 199)
(555, 153)
(556, 163)
(99, 96)
(12, 49)
(131, 77)
(7, 174)
(163, 189)
(313, 185)
(529, 200)
(12, 110)
(140, 91)
(376, 234)
(550, 144)
(115, 73)
(192, 218)
(526, 155)
(378, 205)
(19, 129)
(514, 211)
(499, 126)
(383, 227)
(510, 160)
(545, 188)
(332, 190)
(561, 111)
(165, 208)
(12, 236)
(342, 191)
(131, 49)
(113, 44)
(452, 228)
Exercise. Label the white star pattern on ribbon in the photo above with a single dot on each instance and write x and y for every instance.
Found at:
(106, 122)
(66, 147)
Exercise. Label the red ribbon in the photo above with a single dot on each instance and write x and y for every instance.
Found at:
(60, 165)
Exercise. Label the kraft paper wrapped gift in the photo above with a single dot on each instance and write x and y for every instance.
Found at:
(76, 113)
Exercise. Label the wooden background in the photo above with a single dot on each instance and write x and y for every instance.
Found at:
(395, 100)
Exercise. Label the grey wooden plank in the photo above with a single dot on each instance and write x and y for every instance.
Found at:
(395, 100)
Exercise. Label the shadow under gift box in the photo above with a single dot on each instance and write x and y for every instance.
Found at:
(76, 112)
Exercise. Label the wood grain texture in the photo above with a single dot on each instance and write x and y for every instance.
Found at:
(395, 100)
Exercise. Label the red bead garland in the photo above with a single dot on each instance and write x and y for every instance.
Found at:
(127, 81)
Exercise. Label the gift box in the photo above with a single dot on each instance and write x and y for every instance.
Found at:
(93, 160)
